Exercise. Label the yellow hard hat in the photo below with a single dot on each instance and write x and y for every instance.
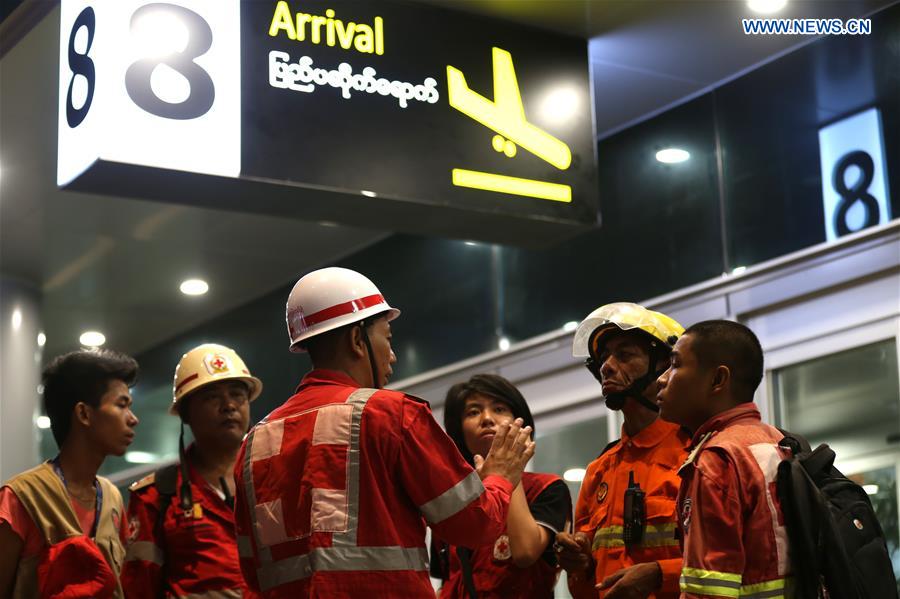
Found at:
(210, 363)
(624, 316)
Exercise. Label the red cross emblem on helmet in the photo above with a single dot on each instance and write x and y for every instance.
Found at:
(216, 363)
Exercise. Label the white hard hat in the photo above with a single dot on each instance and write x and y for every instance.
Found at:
(329, 298)
(206, 364)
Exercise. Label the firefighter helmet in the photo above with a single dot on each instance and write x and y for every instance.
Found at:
(623, 316)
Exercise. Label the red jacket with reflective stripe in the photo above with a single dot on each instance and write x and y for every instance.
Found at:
(654, 455)
(494, 573)
(335, 487)
(735, 543)
(200, 553)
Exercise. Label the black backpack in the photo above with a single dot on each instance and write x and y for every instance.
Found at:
(837, 546)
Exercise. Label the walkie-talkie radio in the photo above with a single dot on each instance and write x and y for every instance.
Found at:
(635, 513)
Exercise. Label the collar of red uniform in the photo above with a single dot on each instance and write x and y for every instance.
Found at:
(650, 436)
(201, 483)
(745, 411)
(321, 376)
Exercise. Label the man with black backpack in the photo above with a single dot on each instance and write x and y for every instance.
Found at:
(733, 534)
(180, 536)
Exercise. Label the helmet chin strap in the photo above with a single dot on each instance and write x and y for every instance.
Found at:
(376, 383)
(615, 401)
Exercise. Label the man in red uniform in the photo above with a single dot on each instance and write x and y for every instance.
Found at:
(617, 552)
(336, 485)
(180, 535)
(735, 542)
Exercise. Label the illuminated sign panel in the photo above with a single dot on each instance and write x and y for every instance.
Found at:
(303, 105)
(151, 84)
(854, 179)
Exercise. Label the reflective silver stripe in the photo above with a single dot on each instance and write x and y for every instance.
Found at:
(358, 400)
(265, 554)
(453, 499)
(221, 594)
(341, 559)
(144, 551)
(245, 547)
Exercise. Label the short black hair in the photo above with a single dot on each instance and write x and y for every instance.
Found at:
(81, 376)
(489, 385)
(729, 343)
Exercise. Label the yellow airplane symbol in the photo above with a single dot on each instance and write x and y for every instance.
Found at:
(506, 116)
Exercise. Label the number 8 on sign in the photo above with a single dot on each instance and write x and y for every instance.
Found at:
(81, 64)
(201, 91)
(163, 85)
(854, 182)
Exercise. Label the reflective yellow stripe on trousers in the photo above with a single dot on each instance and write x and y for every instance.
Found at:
(726, 584)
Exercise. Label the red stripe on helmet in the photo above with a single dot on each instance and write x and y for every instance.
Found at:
(350, 307)
(186, 381)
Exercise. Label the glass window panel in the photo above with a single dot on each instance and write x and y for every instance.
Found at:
(850, 400)
(566, 448)
(570, 447)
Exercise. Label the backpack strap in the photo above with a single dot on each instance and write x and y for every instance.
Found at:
(166, 480)
(464, 553)
(796, 443)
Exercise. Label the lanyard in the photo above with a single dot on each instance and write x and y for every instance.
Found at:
(97, 487)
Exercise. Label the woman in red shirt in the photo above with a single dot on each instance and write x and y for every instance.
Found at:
(520, 562)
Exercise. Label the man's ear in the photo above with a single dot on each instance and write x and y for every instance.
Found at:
(82, 413)
(721, 380)
(357, 345)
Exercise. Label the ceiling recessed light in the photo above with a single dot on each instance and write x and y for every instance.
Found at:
(43, 422)
(92, 339)
(368, 194)
(672, 155)
(739, 270)
(574, 475)
(471, 243)
(503, 344)
(766, 7)
(41, 339)
(16, 319)
(194, 287)
(570, 326)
